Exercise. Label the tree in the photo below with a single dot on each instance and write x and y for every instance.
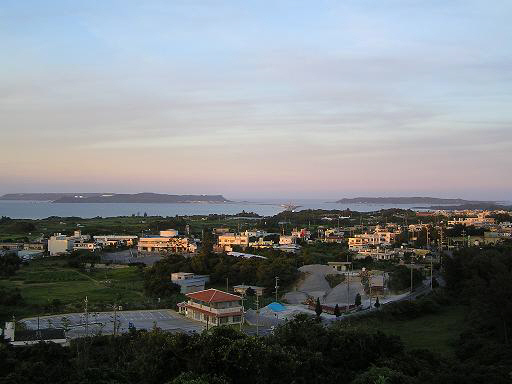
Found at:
(157, 279)
(9, 264)
(10, 296)
(65, 323)
(377, 303)
(56, 304)
(318, 308)
(358, 300)
(337, 311)
(400, 278)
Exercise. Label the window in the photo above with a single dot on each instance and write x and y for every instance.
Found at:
(223, 320)
(237, 319)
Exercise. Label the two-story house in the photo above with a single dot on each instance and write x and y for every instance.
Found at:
(213, 307)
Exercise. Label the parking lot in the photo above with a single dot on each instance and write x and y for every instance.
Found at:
(103, 322)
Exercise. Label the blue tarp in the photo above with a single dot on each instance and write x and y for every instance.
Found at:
(276, 307)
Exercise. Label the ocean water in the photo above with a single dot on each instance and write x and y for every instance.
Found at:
(40, 210)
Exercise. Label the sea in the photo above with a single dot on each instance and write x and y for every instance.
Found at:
(44, 209)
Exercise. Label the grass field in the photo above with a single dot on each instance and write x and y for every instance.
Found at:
(436, 332)
(45, 280)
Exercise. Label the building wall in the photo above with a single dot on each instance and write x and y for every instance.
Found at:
(231, 239)
(174, 244)
(192, 288)
(211, 319)
(59, 245)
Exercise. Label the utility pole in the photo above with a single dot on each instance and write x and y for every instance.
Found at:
(227, 284)
(441, 249)
(257, 315)
(242, 316)
(410, 296)
(115, 319)
(370, 285)
(348, 284)
(348, 289)
(86, 318)
(431, 271)
(277, 286)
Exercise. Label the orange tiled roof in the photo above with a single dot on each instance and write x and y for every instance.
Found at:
(213, 296)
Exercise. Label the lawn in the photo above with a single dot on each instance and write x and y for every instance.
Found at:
(43, 281)
(436, 332)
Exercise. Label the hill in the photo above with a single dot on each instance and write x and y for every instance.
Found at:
(115, 198)
(407, 200)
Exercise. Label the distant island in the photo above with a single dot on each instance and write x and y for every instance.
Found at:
(408, 200)
(483, 206)
(114, 198)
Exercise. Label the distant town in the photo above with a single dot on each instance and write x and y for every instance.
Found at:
(363, 248)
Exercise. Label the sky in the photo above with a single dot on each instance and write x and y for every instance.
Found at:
(299, 99)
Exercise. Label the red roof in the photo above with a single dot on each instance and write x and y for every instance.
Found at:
(213, 296)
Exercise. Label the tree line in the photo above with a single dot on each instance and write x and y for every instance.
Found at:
(300, 351)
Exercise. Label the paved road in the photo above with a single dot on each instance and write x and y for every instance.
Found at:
(102, 322)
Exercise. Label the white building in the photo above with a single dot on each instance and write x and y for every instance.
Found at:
(115, 240)
(77, 236)
(227, 240)
(287, 240)
(262, 243)
(189, 282)
(85, 246)
(256, 233)
(379, 237)
(167, 241)
(59, 244)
